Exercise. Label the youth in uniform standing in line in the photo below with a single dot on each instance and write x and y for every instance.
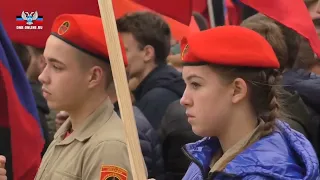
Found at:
(91, 144)
(231, 99)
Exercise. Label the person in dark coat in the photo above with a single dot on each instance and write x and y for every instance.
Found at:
(175, 132)
(297, 61)
(160, 88)
(307, 85)
(304, 79)
(286, 44)
(148, 137)
(146, 37)
(149, 142)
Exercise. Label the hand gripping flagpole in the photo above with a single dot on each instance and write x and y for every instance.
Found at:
(122, 89)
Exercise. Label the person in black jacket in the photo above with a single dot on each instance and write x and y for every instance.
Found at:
(304, 79)
(149, 139)
(175, 132)
(299, 67)
(146, 37)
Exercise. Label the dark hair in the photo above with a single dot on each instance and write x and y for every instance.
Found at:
(263, 88)
(264, 93)
(23, 54)
(201, 21)
(148, 29)
(306, 58)
(291, 38)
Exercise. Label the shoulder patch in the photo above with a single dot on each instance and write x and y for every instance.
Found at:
(111, 172)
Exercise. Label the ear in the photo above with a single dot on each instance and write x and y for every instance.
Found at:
(240, 90)
(149, 53)
(95, 76)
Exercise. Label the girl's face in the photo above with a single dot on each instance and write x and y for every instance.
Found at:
(207, 99)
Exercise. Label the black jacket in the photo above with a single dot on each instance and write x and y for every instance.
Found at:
(150, 144)
(175, 132)
(307, 85)
(154, 94)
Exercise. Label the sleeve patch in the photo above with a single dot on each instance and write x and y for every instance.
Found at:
(111, 172)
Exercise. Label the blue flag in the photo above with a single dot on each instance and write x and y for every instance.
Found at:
(18, 112)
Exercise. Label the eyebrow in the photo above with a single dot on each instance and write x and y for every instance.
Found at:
(52, 60)
(193, 76)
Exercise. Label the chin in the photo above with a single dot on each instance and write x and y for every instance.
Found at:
(198, 131)
(54, 106)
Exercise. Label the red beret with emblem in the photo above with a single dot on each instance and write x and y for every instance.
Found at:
(84, 32)
(230, 46)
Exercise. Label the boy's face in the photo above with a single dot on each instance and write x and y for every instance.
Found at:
(135, 56)
(64, 81)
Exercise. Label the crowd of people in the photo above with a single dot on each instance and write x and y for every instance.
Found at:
(230, 102)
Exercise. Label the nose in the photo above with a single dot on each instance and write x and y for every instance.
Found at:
(44, 77)
(185, 99)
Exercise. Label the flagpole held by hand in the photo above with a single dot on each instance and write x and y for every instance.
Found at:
(122, 89)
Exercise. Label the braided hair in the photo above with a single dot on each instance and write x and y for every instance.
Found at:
(273, 80)
(264, 91)
(264, 95)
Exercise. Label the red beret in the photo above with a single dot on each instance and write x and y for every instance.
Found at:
(228, 45)
(84, 32)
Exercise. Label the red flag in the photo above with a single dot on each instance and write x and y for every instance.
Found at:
(193, 25)
(18, 113)
(232, 14)
(291, 13)
(201, 6)
(180, 10)
(122, 7)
